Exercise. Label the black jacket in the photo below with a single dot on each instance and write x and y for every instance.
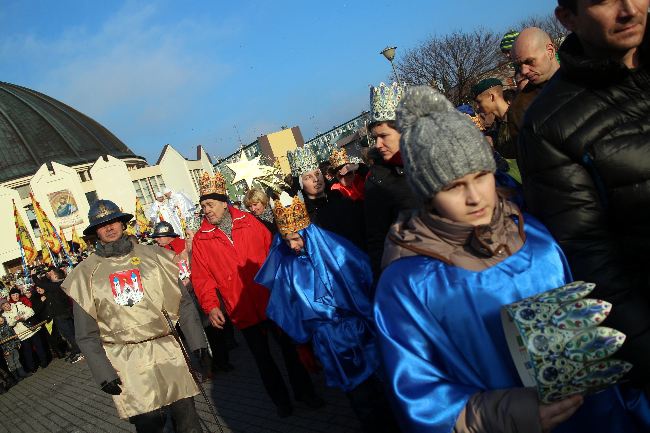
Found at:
(584, 153)
(339, 215)
(387, 194)
(56, 304)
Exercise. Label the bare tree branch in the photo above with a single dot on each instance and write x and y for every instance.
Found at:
(549, 24)
(455, 61)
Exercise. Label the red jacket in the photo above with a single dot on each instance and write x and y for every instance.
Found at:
(177, 246)
(230, 267)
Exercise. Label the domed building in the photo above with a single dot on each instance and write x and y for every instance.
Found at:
(67, 160)
(36, 129)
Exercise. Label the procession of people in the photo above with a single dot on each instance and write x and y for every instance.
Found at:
(392, 278)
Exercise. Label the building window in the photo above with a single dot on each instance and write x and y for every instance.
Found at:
(146, 191)
(23, 191)
(160, 185)
(31, 216)
(138, 190)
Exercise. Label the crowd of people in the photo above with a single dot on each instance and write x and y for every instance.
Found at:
(387, 275)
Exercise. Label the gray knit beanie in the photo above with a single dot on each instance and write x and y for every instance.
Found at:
(439, 144)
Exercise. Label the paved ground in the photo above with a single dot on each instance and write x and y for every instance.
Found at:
(64, 399)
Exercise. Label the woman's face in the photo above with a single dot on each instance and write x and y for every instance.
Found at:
(469, 199)
(6, 306)
(313, 183)
(257, 208)
(386, 140)
(15, 297)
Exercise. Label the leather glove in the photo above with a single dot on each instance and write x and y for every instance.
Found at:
(112, 387)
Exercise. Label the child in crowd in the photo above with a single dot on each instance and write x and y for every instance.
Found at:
(9, 347)
(320, 287)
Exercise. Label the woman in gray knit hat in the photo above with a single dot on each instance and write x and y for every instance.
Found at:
(448, 269)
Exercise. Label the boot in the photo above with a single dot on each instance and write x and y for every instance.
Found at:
(22, 373)
(12, 380)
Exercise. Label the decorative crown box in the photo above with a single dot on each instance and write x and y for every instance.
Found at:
(557, 344)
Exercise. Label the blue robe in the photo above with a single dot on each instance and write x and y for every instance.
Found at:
(323, 295)
(442, 341)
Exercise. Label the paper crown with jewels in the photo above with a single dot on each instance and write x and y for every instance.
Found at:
(301, 161)
(290, 214)
(383, 101)
(339, 157)
(214, 186)
(557, 344)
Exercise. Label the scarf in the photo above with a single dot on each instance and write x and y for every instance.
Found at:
(118, 248)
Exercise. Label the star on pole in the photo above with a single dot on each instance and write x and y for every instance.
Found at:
(246, 169)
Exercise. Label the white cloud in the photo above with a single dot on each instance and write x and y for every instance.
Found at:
(130, 67)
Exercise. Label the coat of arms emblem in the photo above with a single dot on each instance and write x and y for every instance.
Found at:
(183, 269)
(127, 287)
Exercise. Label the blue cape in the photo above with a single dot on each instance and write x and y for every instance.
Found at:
(323, 295)
(441, 338)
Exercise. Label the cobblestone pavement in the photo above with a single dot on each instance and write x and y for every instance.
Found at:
(64, 399)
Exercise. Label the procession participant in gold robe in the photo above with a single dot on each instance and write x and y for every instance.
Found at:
(120, 293)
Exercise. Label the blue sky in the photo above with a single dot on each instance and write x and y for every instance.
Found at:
(209, 72)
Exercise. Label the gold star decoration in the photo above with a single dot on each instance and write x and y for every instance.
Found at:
(246, 169)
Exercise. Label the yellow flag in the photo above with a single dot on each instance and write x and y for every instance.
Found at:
(64, 241)
(140, 218)
(78, 240)
(130, 230)
(48, 233)
(24, 239)
(47, 257)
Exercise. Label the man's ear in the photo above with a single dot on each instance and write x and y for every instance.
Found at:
(565, 17)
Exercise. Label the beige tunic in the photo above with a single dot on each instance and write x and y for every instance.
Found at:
(136, 338)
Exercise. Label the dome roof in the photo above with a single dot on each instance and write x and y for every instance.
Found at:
(36, 129)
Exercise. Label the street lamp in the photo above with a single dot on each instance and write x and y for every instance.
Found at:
(389, 53)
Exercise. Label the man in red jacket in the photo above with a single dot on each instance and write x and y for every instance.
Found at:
(227, 251)
(166, 237)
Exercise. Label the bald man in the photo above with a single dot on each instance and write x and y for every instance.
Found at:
(533, 56)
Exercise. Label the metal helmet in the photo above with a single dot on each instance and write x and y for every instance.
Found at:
(103, 211)
(162, 229)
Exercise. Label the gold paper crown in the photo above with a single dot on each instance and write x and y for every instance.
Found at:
(293, 217)
(212, 185)
(339, 157)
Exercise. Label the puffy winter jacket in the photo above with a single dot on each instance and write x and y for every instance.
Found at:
(18, 309)
(584, 153)
(229, 266)
(387, 194)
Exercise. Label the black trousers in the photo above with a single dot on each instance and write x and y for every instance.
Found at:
(28, 355)
(65, 325)
(258, 343)
(217, 338)
(183, 413)
(369, 403)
